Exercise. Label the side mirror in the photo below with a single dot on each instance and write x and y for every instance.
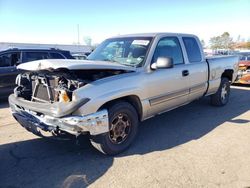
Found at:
(163, 63)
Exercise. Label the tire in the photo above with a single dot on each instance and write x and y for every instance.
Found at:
(221, 97)
(123, 124)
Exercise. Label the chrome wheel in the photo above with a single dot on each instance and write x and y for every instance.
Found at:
(120, 128)
(221, 97)
(123, 125)
(224, 92)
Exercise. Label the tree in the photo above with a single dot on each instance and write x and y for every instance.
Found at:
(248, 45)
(223, 41)
(242, 45)
(226, 40)
(215, 43)
(203, 43)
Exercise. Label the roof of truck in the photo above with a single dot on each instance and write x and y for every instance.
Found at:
(152, 34)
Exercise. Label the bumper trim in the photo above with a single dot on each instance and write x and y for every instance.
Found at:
(95, 123)
(58, 109)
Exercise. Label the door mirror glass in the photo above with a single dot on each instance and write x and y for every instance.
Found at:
(163, 63)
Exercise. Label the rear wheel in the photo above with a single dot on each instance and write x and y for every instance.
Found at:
(221, 97)
(123, 125)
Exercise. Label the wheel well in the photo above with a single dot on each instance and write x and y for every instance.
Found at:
(228, 74)
(132, 99)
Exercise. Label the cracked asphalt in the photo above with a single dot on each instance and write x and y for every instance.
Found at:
(197, 145)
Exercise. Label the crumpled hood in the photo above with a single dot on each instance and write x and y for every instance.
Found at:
(48, 64)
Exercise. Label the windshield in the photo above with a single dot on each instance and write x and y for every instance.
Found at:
(130, 51)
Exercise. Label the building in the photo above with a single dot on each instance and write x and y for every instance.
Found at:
(74, 48)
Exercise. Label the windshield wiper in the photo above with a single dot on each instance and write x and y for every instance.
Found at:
(113, 61)
(121, 63)
(126, 64)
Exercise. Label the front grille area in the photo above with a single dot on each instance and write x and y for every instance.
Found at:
(43, 89)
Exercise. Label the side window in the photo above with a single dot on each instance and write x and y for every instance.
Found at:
(9, 59)
(54, 55)
(15, 58)
(32, 56)
(5, 60)
(192, 48)
(169, 47)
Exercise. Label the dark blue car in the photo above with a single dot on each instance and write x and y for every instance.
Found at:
(9, 59)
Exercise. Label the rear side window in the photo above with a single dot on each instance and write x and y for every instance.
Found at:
(192, 48)
(56, 56)
(32, 56)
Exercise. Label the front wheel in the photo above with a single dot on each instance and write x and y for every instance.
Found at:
(123, 125)
(221, 97)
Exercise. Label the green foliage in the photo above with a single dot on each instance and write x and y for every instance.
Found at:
(248, 45)
(223, 41)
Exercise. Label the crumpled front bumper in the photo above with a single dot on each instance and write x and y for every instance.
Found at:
(96, 123)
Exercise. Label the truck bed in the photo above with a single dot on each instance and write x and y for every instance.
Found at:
(217, 65)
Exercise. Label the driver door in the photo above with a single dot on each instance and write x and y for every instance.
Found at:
(168, 88)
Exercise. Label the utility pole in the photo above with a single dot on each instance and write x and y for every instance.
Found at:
(78, 37)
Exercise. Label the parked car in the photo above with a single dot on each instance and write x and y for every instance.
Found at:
(9, 59)
(244, 69)
(79, 56)
(126, 80)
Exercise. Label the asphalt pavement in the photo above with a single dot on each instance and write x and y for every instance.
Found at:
(197, 145)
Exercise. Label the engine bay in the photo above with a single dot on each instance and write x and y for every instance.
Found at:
(56, 86)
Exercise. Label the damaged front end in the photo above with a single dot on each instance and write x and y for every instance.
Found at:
(37, 122)
(45, 101)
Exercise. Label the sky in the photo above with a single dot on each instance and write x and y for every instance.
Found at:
(55, 21)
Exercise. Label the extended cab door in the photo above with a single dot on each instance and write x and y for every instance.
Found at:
(168, 88)
(196, 66)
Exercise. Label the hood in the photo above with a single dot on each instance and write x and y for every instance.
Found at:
(70, 64)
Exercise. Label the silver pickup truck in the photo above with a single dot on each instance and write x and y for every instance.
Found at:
(126, 80)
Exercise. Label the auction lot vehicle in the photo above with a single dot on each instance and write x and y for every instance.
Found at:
(244, 69)
(79, 56)
(126, 80)
(9, 59)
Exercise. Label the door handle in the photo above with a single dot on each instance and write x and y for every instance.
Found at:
(185, 73)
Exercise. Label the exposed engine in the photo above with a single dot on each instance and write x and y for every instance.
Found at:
(56, 86)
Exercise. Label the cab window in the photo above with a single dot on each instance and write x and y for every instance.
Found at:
(192, 48)
(169, 47)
